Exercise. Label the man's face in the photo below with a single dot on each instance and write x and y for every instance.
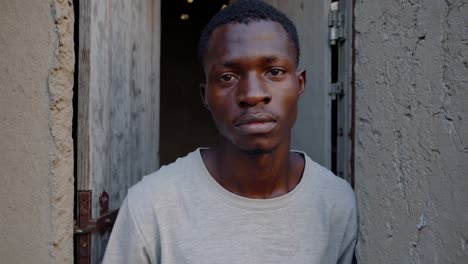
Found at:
(252, 85)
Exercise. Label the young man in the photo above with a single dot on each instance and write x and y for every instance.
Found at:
(249, 199)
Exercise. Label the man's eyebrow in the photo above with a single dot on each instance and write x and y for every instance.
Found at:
(269, 59)
(263, 60)
(231, 64)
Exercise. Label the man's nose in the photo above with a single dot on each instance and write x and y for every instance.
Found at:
(252, 90)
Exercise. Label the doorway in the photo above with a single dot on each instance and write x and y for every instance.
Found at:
(137, 99)
(184, 122)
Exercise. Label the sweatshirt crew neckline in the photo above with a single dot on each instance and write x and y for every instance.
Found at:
(254, 204)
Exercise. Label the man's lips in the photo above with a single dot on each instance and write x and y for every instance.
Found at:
(254, 118)
(258, 123)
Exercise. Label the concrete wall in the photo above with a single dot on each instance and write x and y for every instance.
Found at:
(412, 131)
(36, 164)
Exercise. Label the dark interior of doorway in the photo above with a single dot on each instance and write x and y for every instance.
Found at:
(184, 122)
(334, 112)
(336, 129)
(75, 115)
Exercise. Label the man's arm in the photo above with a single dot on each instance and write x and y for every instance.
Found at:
(126, 243)
(349, 239)
(348, 253)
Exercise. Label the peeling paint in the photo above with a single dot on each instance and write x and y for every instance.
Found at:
(60, 125)
(422, 222)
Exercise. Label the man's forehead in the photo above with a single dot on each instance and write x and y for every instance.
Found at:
(264, 37)
(239, 32)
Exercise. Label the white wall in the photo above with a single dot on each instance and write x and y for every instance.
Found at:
(36, 164)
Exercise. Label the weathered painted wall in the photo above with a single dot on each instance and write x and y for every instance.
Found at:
(412, 131)
(36, 164)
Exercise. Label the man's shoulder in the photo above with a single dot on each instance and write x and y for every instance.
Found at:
(164, 184)
(331, 188)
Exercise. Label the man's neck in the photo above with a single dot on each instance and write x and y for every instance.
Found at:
(254, 174)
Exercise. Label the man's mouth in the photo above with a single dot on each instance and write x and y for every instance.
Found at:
(258, 123)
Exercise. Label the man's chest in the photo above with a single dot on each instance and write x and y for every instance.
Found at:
(247, 237)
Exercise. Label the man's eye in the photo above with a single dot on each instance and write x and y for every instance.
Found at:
(226, 77)
(276, 72)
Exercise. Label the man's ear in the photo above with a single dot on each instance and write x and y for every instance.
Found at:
(301, 79)
(202, 94)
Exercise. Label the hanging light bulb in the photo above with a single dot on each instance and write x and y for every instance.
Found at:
(184, 17)
(189, 1)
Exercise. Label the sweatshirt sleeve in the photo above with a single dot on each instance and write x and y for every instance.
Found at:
(126, 243)
(349, 239)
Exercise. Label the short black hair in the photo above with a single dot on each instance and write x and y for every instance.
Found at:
(247, 11)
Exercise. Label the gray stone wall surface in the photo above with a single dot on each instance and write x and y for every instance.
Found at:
(36, 150)
(411, 150)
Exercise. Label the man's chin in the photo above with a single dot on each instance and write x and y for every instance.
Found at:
(258, 152)
(255, 147)
(258, 149)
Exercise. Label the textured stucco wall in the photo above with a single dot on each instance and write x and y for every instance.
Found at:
(36, 164)
(412, 131)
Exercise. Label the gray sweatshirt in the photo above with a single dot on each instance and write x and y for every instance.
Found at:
(180, 214)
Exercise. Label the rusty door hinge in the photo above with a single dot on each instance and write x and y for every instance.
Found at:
(86, 225)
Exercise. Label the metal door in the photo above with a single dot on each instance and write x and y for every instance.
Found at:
(312, 132)
(341, 41)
